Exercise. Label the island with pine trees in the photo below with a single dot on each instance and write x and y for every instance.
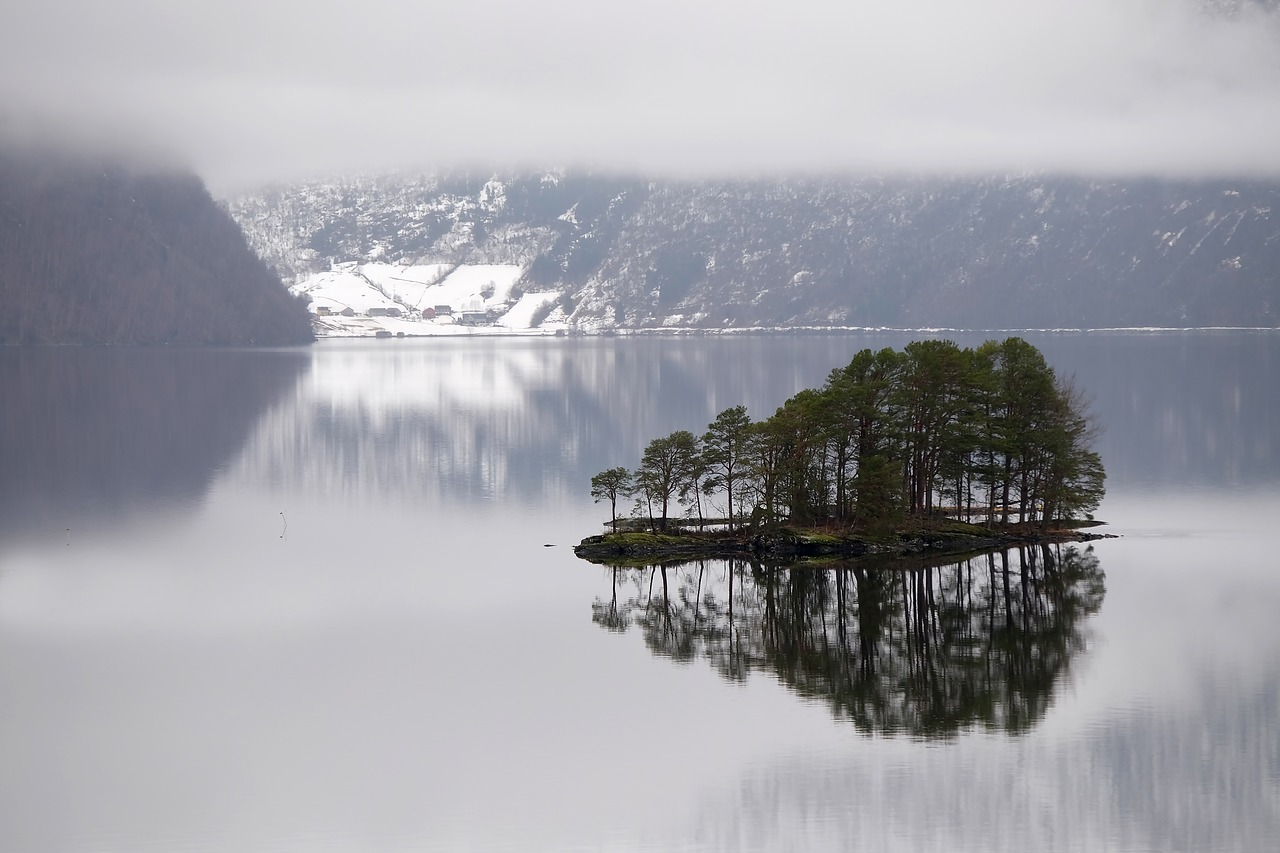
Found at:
(934, 448)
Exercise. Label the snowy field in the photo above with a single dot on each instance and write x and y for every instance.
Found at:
(407, 286)
(339, 289)
(478, 288)
(368, 327)
(464, 289)
(521, 315)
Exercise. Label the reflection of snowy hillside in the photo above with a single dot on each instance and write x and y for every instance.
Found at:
(427, 299)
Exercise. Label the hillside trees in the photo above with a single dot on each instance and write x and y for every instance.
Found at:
(932, 429)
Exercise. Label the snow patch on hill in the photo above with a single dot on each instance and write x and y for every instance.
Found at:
(340, 289)
(406, 285)
(476, 287)
(524, 312)
(359, 300)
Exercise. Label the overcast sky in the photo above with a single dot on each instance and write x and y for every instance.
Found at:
(251, 91)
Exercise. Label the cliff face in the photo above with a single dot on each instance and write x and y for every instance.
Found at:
(999, 252)
(99, 254)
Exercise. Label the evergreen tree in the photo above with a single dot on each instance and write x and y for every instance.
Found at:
(609, 486)
(895, 433)
(726, 447)
(664, 469)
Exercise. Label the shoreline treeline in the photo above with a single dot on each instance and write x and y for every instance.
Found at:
(988, 434)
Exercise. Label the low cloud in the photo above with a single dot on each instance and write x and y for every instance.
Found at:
(255, 92)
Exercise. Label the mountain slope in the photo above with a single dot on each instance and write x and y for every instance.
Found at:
(98, 254)
(1023, 251)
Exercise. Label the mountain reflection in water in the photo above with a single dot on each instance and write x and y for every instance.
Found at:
(907, 648)
(89, 435)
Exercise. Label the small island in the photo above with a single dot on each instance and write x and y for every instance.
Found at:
(935, 449)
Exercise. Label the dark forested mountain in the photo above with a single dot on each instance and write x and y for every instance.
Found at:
(1028, 251)
(100, 254)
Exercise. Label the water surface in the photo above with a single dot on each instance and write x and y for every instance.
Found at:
(302, 599)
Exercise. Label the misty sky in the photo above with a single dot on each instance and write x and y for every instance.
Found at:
(250, 91)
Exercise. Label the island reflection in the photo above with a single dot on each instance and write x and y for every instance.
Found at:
(908, 648)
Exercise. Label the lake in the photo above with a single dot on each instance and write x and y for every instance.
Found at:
(303, 599)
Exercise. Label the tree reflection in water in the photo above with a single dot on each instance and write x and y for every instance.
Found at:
(925, 650)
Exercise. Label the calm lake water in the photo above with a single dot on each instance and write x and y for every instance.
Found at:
(302, 600)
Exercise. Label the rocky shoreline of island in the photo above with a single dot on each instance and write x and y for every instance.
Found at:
(790, 546)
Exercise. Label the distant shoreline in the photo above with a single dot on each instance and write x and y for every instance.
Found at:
(405, 329)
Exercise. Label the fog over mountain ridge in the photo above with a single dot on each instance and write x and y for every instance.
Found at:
(1176, 88)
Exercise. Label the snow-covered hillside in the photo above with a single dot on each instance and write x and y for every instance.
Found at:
(604, 252)
(354, 299)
